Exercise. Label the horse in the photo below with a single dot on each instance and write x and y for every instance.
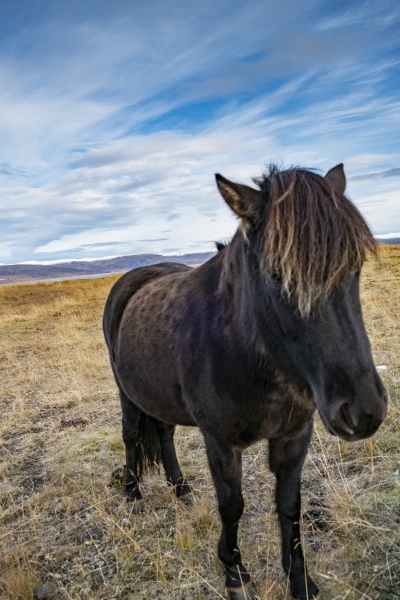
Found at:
(247, 347)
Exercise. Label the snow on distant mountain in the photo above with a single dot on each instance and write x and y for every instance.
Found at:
(35, 271)
(25, 272)
(389, 238)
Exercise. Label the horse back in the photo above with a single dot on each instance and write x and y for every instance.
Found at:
(123, 290)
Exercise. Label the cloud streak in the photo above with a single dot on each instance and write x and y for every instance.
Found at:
(114, 119)
(380, 175)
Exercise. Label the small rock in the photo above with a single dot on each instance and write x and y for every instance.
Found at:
(45, 590)
(125, 522)
(84, 591)
(140, 558)
(317, 517)
(118, 473)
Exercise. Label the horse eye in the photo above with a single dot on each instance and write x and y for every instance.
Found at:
(275, 276)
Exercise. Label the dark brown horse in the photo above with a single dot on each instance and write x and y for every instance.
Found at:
(247, 347)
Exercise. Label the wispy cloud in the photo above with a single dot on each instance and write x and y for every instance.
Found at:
(113, 119)
(380, 175)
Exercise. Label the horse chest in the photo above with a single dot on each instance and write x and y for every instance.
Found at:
(279, 413)
(287, 406)
(286, 415)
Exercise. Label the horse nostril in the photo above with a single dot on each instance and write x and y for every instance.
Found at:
(346, 418)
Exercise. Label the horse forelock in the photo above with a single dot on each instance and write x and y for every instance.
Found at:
(313, 235)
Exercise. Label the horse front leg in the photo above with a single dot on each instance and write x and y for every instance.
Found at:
(226, 470)
(286, 458)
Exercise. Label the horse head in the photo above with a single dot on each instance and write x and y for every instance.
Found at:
(309, 243)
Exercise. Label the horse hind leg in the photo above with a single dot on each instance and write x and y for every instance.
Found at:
(131, 415)
(149, 441)
(175, 478)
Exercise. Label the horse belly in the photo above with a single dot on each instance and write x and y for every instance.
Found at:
(146, 357)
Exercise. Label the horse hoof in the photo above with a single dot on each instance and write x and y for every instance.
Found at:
(245, 592)
(303, 592)
(136, 506)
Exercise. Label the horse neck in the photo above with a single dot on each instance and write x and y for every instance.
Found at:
(242, 286)
(256, 338)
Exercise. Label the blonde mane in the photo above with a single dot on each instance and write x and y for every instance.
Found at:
(313, 235)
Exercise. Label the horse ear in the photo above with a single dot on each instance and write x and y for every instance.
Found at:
(243, 200)
(337, 178)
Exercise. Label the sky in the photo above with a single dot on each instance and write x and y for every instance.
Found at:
(114, 116)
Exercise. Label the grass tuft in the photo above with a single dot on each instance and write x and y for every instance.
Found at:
(63, 521)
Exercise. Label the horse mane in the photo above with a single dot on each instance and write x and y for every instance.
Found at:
(313, 234)
(221, 245)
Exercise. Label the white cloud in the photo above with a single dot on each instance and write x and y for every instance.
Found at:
(365, 160)
(127, 190)
(85, 171)
(388, 236)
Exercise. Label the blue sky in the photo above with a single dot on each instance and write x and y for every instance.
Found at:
(114, 116)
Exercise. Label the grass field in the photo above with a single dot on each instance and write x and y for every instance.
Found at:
(62, 521)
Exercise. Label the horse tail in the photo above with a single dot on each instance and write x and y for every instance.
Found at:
(148, 449)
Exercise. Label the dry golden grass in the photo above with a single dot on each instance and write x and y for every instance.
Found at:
(60, 438)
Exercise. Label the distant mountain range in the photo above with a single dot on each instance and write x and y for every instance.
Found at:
(21, 273)
(394, 240)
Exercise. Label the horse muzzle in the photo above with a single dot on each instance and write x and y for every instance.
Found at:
(352, 420)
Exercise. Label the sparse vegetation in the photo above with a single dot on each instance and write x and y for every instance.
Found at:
(64, 522)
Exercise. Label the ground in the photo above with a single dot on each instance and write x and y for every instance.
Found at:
(65, 523)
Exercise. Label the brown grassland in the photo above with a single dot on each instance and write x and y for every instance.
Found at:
(64, 522)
